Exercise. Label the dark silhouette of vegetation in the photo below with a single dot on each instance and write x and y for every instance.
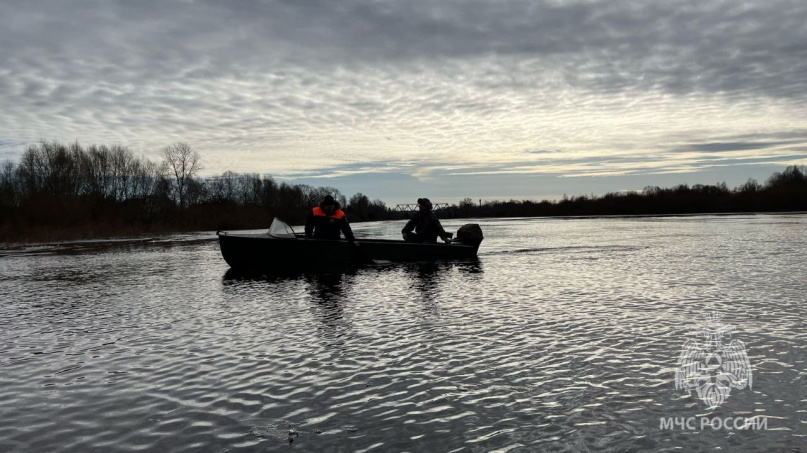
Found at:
(786, 191)
(360, 207)
(59, 191)
(182, 163)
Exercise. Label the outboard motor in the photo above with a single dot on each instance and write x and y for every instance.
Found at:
(470, 234)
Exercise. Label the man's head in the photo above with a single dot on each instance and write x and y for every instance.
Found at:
(328, 204)
(424, 205)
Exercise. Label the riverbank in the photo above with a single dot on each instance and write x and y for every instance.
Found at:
(41, 201)
(196, 219)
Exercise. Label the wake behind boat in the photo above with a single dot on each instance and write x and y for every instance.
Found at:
(282, 249)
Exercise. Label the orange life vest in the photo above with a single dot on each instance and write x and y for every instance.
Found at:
(338, 214)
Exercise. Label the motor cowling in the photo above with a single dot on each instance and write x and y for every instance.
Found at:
(470, 234)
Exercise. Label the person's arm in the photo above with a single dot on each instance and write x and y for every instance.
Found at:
(410, 225)
(309, 225)
(440, 231)
(347, 231)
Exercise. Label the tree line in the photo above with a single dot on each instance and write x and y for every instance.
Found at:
(62, 191)
(783, 191)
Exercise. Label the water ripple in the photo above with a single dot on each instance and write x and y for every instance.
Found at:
(564, 336)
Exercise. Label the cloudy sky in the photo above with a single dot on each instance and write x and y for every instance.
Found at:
(401, 99)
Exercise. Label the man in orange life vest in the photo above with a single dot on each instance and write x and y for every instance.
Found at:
(327, 220)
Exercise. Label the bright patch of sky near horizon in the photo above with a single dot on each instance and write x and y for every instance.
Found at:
(447, 99)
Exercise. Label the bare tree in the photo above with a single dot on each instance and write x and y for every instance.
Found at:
(182, 163)
(7, 189)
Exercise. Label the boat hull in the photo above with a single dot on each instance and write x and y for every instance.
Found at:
(262, 251)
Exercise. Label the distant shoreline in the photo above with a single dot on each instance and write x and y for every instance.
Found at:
(629, 216)
(63, 192)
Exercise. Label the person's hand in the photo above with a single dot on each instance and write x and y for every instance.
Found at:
(356, 244)
(406, 236)
(447, 240)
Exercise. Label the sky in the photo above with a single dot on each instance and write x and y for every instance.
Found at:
(492, 99)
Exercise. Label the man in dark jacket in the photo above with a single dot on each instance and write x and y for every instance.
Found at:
(425, 224)
(327, 220)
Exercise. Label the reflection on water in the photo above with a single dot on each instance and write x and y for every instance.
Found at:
(563, 336)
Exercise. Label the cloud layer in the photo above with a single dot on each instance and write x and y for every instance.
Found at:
(423, 88)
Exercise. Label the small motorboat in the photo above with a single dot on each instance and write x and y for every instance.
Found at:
(281, 248)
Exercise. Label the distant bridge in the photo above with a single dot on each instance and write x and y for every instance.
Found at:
(414, 207)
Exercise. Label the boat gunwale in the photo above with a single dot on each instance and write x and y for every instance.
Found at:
(267, 236)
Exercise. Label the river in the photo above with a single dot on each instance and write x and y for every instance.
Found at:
(565, 336)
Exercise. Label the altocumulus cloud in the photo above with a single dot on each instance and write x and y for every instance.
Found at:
(427, 89)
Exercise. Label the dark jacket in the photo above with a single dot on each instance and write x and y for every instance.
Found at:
(426, 226)
(320, 225)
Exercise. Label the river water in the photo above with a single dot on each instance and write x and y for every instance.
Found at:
(564, 336)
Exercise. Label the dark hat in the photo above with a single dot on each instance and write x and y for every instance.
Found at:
(327, 200)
